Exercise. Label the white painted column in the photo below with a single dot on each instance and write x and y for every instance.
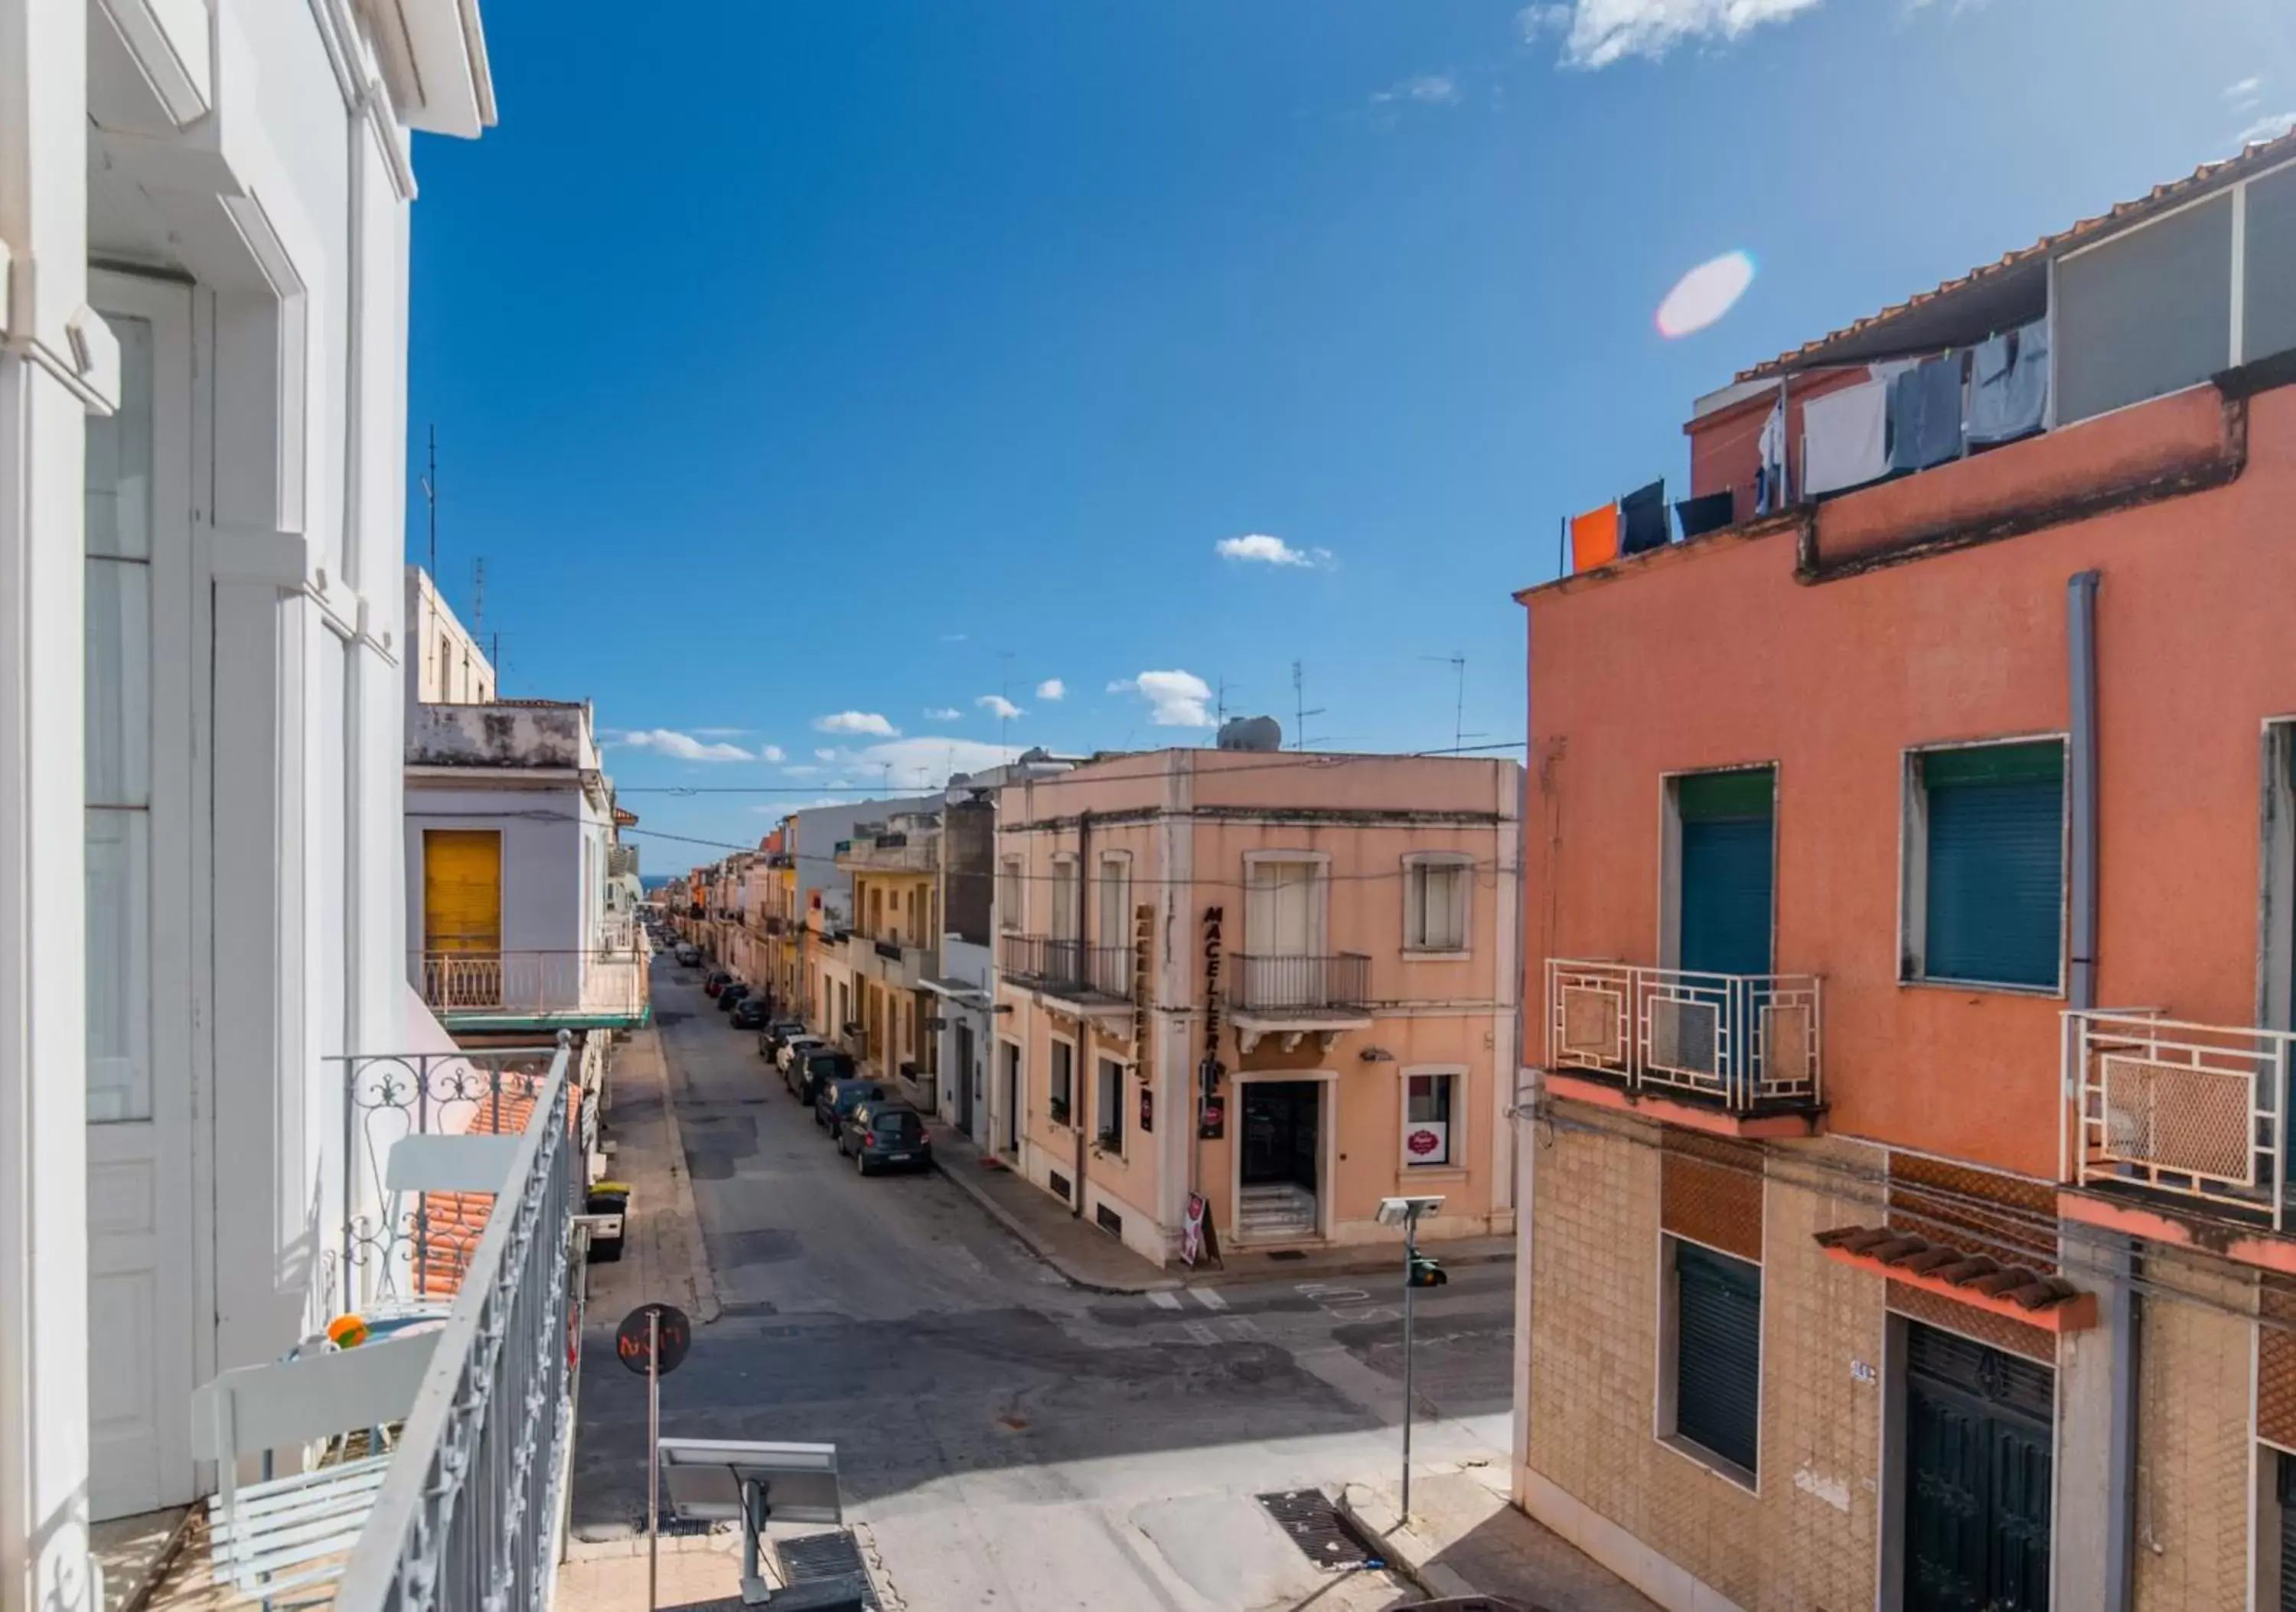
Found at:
(51, 368)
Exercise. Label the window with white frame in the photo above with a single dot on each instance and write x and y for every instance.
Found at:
(1108, 1107)
(1012, 908)
(1064, 898)
(1711, 1390)
(1114, 898)
(1435, 888)
(1430, 1103)
(1061, 1081)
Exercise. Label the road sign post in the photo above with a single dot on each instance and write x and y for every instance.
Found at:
(653, 1339)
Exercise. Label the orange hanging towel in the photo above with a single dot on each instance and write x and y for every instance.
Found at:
(1594, 537)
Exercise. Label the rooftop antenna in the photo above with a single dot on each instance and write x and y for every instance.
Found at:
(1299, 705)
(478, 594)
(1221, 717)
(430, 497)
(1457, 663)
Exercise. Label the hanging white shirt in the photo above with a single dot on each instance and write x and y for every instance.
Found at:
(1845, 438)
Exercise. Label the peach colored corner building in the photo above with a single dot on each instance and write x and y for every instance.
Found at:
(1286, 982)
(1911, 1209)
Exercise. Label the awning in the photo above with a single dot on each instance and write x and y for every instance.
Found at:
(2017, 1292)
(962, 992)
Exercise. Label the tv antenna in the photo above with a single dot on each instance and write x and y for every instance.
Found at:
(478, 594)
(1299, 705)
(1459, 733)
(431, 499)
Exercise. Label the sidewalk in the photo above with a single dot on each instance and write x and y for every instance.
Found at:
(1096, 1261)
(1465, 1539)
(662, 1256)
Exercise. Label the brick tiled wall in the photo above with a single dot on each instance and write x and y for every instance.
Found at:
(1807, 1540)
(2194, 1502)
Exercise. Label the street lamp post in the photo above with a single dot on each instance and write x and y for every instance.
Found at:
(1419, 1271)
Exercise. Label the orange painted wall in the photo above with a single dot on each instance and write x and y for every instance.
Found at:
(1714, 653)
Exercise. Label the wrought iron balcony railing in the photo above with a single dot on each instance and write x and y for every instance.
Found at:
(2197, 1112)
(609, 982)
(1268, 983)
(1745, 1041)
(466, 1512)
(1067, 967)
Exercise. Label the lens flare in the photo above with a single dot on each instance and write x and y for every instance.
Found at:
(1705, 294)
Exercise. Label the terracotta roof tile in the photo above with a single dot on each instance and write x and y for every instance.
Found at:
(2208, 176)
(1904, 1252)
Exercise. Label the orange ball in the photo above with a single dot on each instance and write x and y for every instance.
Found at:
(346, 1331)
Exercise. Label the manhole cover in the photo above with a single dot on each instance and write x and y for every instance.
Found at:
(816, 1557)
(1315, 1526)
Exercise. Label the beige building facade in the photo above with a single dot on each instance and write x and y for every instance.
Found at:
(1243, 996)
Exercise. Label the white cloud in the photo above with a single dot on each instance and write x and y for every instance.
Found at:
(2269, 127)
(856, 721)
(682, 746)
(2243, 93)
(1258, 548)
(799, 770)
(996, 706)
(769, 753)
(1052, 689)
(1176, 699)
(943, 713)
(718, 733)
(1426, 89)
(825, 755)
(953, 637)
(1597, 33)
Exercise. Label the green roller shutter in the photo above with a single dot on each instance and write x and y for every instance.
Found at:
(1994, 885)
(1725, 868)
(1718, 1381)
(2285, 1480)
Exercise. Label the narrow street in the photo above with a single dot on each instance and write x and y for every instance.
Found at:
(1005, 1439)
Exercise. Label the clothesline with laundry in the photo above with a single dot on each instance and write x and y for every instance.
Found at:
(1905, 415)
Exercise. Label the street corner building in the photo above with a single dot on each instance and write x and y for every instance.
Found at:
(1242, 995)
(1908, 897)
(227, 1118)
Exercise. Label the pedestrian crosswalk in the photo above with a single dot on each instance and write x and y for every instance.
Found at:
(1167, 1298)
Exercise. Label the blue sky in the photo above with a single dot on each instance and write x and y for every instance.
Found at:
(807, 362)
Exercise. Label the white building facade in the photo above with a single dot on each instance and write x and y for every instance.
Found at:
(201, 464)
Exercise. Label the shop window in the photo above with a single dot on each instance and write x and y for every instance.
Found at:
(1428, 1103)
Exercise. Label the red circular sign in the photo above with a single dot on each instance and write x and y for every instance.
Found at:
(1423, 1142)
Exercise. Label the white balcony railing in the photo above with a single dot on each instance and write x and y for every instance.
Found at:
(1747, 1041)
(610, 982)
(2195, 1111)
(467, 1511)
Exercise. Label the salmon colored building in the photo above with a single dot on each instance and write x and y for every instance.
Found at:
(1908, 892)
(1280, 985)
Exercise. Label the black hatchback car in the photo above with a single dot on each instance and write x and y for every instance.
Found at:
(832, 1101)
(808, 1075)
(886, 1136)
(750, 1012)
(731, 992)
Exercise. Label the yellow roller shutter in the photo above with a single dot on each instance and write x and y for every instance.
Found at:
(462, 889)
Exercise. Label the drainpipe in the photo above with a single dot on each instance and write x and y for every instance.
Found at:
(1080, 1072)
(2121, 1310)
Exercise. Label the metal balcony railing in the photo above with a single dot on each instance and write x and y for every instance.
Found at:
(610, 982)
(1272, 984)
(467, 1510)
(1067, 967)
(1747, 1041)
(2197, 1111)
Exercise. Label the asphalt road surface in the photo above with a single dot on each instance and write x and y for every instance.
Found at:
(1008, 1441)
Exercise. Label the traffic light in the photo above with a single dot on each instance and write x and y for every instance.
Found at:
(1424, 1273)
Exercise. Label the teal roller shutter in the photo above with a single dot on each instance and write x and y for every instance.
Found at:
(2284, 1479)
(1725, 871)
(1995, 895)
(1718, 1351)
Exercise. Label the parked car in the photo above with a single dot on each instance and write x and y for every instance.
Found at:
(750, 1012)
(718, 981)
(794, 1049)
(817, 1067)
(729, 993)
(775, 1035)
(688, 953)
(885, 1135)
(832, 1101)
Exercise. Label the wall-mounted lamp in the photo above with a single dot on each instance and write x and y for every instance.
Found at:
(1376, 1055)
